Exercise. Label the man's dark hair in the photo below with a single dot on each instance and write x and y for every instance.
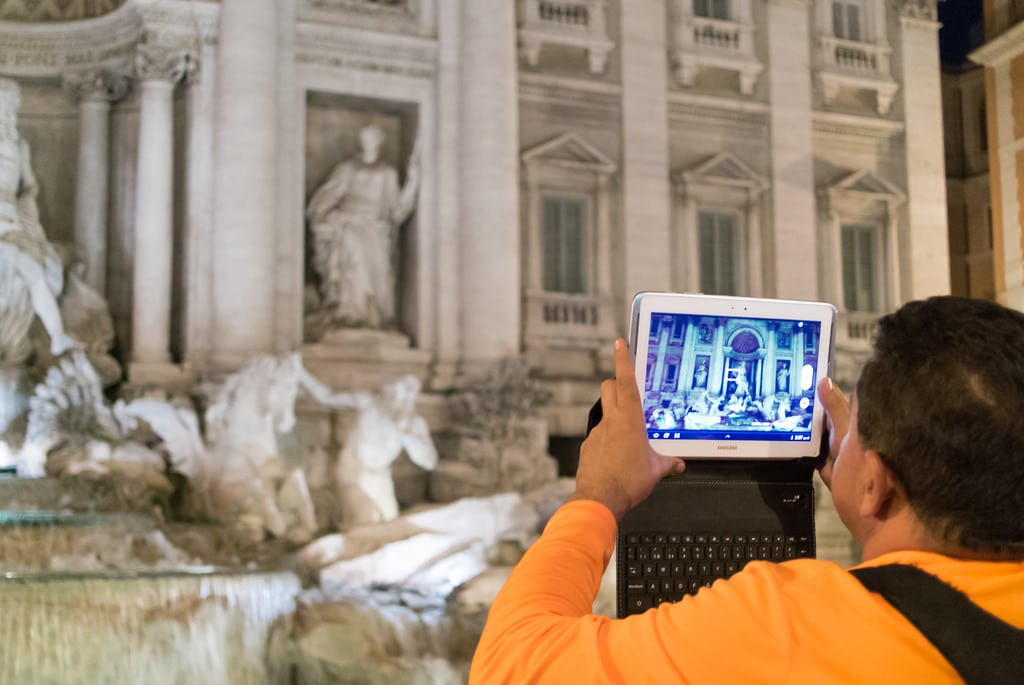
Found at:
(942, 402)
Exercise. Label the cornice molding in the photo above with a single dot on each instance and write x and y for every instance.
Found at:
(338, 47)
(1002, 48)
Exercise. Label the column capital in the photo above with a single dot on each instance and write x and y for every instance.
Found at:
(96, 85)
(165, 63)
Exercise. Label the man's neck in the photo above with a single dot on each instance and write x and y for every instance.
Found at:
(905, 532)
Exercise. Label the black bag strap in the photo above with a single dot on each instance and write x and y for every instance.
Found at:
(984, 649)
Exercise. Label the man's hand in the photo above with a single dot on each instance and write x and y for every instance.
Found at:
(618, 467)
(837, 422)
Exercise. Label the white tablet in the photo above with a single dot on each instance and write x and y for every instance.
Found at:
(731, 377)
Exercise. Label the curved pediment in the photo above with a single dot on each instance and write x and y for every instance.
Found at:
(45, 11)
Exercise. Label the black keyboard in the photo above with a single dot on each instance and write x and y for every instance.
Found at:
(661, 567)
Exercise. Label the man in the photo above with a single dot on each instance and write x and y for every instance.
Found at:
(926, 468)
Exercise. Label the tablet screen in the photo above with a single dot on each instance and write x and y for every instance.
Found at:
(742, 385)
(730, 379)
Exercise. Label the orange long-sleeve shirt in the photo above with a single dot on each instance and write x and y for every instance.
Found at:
(802, 621)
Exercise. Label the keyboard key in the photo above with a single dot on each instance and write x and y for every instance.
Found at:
(634, 570)
(639, 603)
(635, 586)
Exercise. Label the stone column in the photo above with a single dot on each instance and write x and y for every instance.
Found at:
(715, 384)
(645, 161)
(245, 181)
(159, 70)
(604, 237)
(534, 232)
(755, 269)
(95, 91)
(793, 214)
(768, 377)
(892, 252)
(490, 290)
(691, 233)
(688, 357)
(927, 237)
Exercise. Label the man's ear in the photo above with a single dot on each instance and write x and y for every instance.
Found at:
(880, 495)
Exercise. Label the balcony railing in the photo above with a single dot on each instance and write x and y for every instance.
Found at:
(580, 24)
(866, 58)
(860, 66)
(580, 317)
(563, 13)
(857, 328)
(705, 42)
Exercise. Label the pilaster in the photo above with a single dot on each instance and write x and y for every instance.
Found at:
(793, 210)
(926, 236)
(490, 288)
(646, 212)
(245, 180)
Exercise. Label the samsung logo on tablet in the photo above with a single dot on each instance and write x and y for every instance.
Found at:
(728, 447)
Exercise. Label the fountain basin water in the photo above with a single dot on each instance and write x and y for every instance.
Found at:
(144, 627)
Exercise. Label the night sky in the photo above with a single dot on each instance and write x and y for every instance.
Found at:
(962, 29)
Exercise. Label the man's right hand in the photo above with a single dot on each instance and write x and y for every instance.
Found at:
(617, 466)
(837, 422)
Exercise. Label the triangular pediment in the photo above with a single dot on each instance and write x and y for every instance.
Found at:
(868, 183)
(569, 149)
(725, 168)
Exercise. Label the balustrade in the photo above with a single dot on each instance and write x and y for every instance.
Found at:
(701, 42)
(859, 327)
(853, 64)
(564, 13)
(579, 24)
(716, 33)
(566, 316)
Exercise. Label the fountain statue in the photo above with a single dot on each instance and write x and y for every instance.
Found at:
(386, 426)
(236, 473)
(31, 273)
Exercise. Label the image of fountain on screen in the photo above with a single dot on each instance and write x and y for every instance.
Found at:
(715, 378)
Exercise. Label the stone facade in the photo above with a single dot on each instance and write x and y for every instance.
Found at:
(1003, 58)
(572, 154)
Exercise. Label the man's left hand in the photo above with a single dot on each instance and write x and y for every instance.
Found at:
(618, 467)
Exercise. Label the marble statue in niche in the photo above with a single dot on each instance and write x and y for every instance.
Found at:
(354, 218)
(386, 426)
(31, 272)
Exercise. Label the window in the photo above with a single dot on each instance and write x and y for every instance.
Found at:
(860, 268)
(718, 248)
(846, 19)
(712, 9)
(562, 242)
(671, 379)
